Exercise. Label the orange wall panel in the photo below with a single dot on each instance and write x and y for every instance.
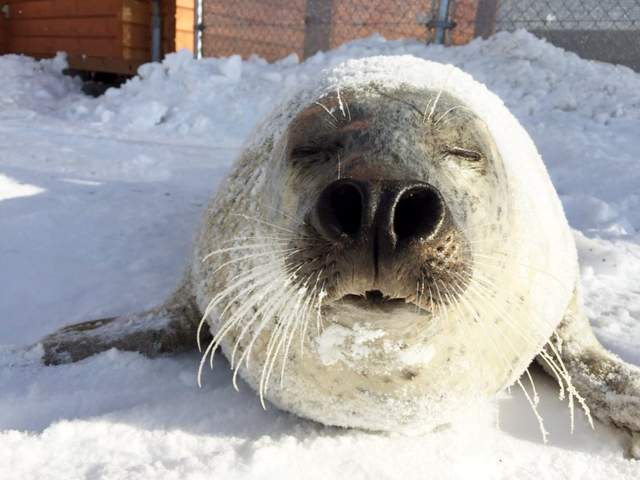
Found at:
(178, 18)
(65, 27)
(95, 32)
(73, 46)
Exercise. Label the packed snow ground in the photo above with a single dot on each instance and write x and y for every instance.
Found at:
(99, 199)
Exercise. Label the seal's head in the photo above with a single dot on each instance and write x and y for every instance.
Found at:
(387, 277)
(385, 218)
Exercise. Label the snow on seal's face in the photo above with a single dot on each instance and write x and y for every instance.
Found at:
(386, 250)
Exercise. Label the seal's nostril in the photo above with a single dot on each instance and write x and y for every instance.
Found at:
(346, 205)
(340, 208)
(417, 213)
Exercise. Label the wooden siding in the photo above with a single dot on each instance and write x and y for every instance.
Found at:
(135, 21)
(43, 27)
(103, 35)
(178, 25)
(3, 35)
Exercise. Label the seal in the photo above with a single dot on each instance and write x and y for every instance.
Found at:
(387, 249)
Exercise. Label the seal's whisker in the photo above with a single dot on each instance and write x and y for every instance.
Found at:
(269, 224)
(245, 328)
(241, 280)
(296, 324)
(248, 304)
(535, 397)
(512, 301)
(261, 237)
(275, 342)
(303, 296)
(334, 123)
(533, 402)
(456, 107)
(435, 103)
(534, 408)
(203, 359)
(237, 316)
(254, 246)
(494, 256)
(475, 290)
(237, 281)
(306, 315)
(288, 251)
(292, 318)
(272, 352)
(346, 104)
(417, 303)
(275, 287)
(570, 387)
(442, 311)
(476, 316)
(321, 296)
(556, 373)
(561, 373)
(562, 376)
(501, 356)
(341, 105)
(259, 271)
(266, 314)
(282, 212)
(478, 289)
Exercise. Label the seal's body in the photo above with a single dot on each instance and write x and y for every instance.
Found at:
(388, 248)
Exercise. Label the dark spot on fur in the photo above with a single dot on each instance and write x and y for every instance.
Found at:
(408, 374)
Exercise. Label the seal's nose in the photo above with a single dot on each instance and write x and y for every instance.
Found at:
(391, 211)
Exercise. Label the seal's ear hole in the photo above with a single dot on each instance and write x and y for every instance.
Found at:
(417, 214)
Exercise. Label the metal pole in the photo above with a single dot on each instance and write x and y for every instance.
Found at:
(156, 31)
(197, 30)
(486, 18)
(441, 22)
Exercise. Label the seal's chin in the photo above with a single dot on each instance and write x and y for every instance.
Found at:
(376, 300)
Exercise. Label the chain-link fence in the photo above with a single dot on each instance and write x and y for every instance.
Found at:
(276, 28)
(606, 30)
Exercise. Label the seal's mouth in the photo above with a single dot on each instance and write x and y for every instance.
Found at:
(377, 300)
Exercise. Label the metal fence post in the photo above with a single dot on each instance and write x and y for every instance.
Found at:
(197, 30)
(442, 20)
(486, 18)
(156, 31)
(317, 26)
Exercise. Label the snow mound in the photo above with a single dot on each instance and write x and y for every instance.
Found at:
(30, 86)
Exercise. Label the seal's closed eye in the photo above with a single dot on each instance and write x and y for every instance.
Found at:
(305, 151)
(465, 153)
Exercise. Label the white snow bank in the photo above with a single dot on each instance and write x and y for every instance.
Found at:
(30, 86)
(121, 181)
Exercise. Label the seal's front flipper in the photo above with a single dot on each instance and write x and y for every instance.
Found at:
(169, 328)
(609, 385)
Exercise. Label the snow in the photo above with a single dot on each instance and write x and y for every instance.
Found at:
(99, 199)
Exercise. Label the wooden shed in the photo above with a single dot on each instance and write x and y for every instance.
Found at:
(104, 36)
